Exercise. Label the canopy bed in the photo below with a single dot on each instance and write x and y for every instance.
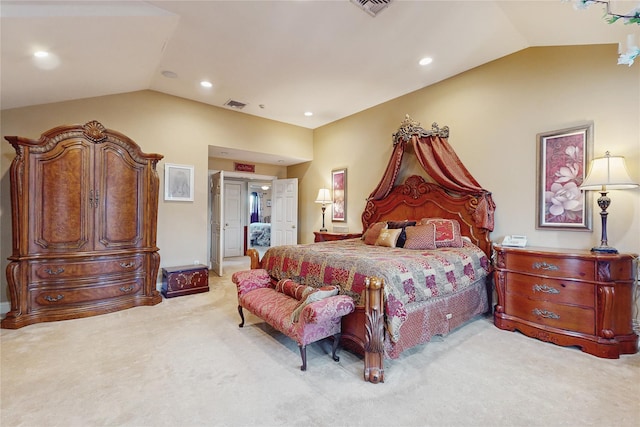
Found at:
(422, 265)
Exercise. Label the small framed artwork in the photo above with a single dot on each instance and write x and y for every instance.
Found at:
(339, 190)
(178, 183)
(563, 156)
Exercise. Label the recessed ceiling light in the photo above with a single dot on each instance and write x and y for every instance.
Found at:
(41, 54)
(169, 74)
(425, 61)
(308, 114)
(205, 83)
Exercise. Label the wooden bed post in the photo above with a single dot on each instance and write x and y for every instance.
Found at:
(374, 330)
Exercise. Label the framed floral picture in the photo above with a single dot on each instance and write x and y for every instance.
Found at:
(563, 156)
(339, 187)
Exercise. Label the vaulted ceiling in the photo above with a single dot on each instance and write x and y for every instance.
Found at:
(280, 58)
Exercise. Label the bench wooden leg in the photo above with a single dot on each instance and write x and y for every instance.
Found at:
(336, 342)
(241, 316)
(303, 354)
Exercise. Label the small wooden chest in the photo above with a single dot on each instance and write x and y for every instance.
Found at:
(185, 280)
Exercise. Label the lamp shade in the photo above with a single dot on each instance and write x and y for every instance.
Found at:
(608, 173)
(324, 196)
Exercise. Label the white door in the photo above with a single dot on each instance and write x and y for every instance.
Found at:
(217, 237)
(233, 241)
(284, 212)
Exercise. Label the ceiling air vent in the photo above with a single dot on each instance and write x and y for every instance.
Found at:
(235, 104)
(372, 7)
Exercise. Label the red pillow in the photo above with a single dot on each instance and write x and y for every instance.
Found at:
(421, 237)
(447, 232)
(372, 233)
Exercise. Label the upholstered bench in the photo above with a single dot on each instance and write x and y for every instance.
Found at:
(303, 313)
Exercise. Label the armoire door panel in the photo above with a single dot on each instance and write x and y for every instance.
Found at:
(121, 199)
(61, 189)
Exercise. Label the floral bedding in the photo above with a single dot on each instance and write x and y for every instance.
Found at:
(410, 276)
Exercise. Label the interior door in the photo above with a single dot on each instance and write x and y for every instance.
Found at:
(233, 202)
(217, 181)
(284, 213)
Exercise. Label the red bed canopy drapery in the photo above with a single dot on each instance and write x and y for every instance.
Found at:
(442, 164)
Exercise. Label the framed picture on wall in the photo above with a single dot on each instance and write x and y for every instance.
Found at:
(563, 156)
(178, 183)
(339, 190)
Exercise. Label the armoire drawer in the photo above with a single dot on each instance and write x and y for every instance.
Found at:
(567, 317)
(70, 269)
(56, 297)
(553, 290)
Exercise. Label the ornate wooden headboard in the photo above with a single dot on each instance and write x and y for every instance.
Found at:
(416, 199)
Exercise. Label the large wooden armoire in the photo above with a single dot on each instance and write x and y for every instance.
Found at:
(84, 203)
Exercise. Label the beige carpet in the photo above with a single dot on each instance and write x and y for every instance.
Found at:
(185, 362)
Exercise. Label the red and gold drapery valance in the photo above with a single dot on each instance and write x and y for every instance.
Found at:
(439, 160)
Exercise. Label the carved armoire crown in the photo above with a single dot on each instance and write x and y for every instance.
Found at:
(84, 203)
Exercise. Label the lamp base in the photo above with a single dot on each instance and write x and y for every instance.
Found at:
(323, 229)
(604, 250)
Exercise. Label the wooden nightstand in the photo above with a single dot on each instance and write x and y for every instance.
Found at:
(567, 297)
(325, 236)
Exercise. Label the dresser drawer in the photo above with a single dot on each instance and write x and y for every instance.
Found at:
(551, 266)
(552, 290)
(72, 269)
(567, 317)
(57, 297)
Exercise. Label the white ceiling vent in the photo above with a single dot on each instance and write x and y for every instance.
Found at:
(372, 7)
(235, 104)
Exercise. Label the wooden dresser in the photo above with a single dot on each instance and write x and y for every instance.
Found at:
(324, 236)
(84, 202)
(567, 297)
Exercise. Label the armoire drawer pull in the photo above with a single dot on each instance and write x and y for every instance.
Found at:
(54, 299)
(127, 264)
(126, 289)
(546, 314)
(546, 289)
(55, 272)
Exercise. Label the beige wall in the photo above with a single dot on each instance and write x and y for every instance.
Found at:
(495, 112)
(179, 129)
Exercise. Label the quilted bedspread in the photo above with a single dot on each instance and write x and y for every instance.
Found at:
(410, 276)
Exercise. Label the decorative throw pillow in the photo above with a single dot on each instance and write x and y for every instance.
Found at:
(402, 225)
(372, 233)
(317, 295)
(421, 237)
(388, 237)
(447, 232)
(293, 289)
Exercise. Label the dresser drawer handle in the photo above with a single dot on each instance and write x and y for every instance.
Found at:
(545, 266)
(126, 289)
(54, 299)
(55, 272)
(127, 264)
(546, 314)
(546, 289)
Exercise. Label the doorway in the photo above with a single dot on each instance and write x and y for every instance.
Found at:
(259, 204)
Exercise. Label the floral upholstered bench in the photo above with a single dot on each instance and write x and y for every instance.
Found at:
(303, 313)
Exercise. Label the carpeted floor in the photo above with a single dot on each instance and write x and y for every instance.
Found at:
(185, 362)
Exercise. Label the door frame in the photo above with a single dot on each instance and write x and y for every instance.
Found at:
(237, 176)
